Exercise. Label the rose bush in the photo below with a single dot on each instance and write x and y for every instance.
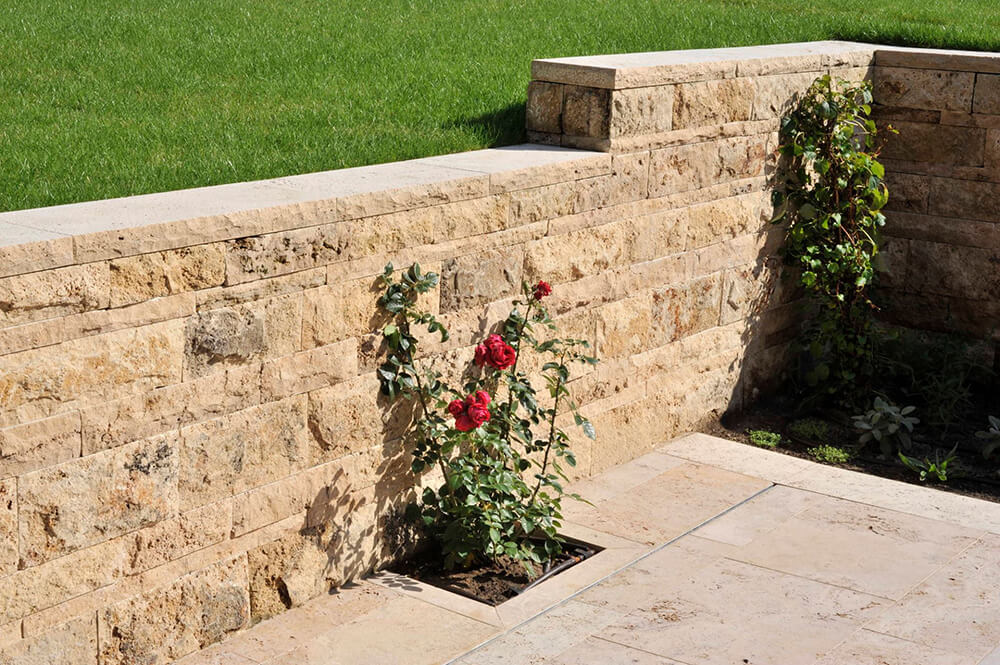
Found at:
(497, 448)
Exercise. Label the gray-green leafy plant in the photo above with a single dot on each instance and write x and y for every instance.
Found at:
(831, 199)
(991, 435)
(829, 454)
(497, 447)
(764, 439)
(938, 469)
(886, 424)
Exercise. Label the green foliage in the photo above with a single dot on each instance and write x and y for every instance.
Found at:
(810, 429)
(831, 200)
(830, 454)
(937, 470)
(502, 475)
(991, 436)
(764, 439)
(888, 425)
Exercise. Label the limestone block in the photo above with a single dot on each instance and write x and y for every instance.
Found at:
(28, 249)
(138, 278)
(749, 291)
(59, 580)
(38, 444)
(665, 234)
(309, 370)
(945, 269)
(8, 527)
(42, 382)
(468, 218)
(387, 188)
(712, 102)
(288, 572)
(640, 111)
(322, 486)
(135, 417)
(629, 431)
(353, 416)
(987, 96)
(275, 254)
(907, 192)
(242, 450)
(961, 232)
(539, 203)
(543, 112)
(163, 625)
(73, 643)
(892, 261)
(684, 310)
(964, 199)
(173, 538)
(389, 232)
(220, 338)
(50, 293)
(689, 167)
(624, 327)
(87, 501)
(941, 144)
(924, 88)
(260, 289)
(724, 219)
(588, 252)
(776, 96)
(627, 182)
(586, 111)
(475, 279)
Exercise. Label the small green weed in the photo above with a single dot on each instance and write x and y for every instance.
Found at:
(764, 439)
(810, 429)
(938, 469)
(830, 454)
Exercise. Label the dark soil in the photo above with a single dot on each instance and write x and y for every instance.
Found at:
(972, 477)
(491, 583)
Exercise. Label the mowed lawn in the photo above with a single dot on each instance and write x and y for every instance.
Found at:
(104, 98)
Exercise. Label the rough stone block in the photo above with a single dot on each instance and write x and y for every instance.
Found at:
(468, 218)
(724, 219)
(965, 199)
(309, 370)
(624, 327)
(543, 112)
(540, 203)
(242, 450)
(138, 416)
(699, 165)
(38, 444)
(950, 270)
(907, 192)
(475, 279)
(940, 144)
(586, 111)
(276, 254)
(352, 416)
(339, 311)
(712, 102)
(640, 111)
(749, 291)
(8, 527)
(987, 95)
(42, 382)
(627, 182)
(321, 486)
(50, 293)
(388, 233)
(73, 643)
(924, 88)
(684, 310)
(194, 612)
(138, 278)
(87, 501)
(176, 537)
(776, 96)
(288, 572)
(220, 338)
(585, 253)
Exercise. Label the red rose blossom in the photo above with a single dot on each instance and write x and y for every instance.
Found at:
(495, 352)
(471, 412)
(542, 289)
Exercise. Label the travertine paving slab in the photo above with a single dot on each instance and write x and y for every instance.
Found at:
(760, 515)
(856, 546)
(595, 650)
(869, 648)
(737, 457)
(668, 505)
(956, 608)
(733, 612)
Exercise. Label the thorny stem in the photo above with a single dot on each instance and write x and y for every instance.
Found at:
(513, 371)
(552, 432)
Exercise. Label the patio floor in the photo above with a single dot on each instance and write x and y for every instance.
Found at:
(717, 553)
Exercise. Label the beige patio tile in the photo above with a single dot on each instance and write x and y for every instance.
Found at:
(594, 651)
(957, 608)
(738, 457)
(548, 635)
(668, 505)
(732, 612)
(758, 516)
(869, 648)
(868, 549)
(622, 478)
(402, 630)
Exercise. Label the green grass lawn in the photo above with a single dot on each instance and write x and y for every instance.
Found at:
(104, 98)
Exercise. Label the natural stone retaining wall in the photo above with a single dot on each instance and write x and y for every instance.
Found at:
(190, 434)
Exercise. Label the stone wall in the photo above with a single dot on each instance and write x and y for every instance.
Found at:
(190, 434)
(943, 169)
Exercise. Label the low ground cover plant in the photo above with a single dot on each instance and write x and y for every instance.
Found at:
(830, 454)
(495, 442)
(764, 439)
